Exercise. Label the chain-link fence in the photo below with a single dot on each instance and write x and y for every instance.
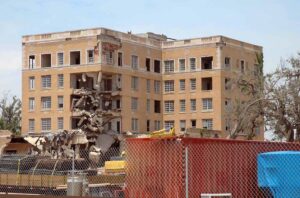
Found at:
(168, 167)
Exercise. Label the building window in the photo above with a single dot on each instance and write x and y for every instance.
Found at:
(227, 84)
(182, 85)
(207, 124)
(157, 87)
(148, 85)
(156, 66)
(193, 105)
(207, 84)
(169, 85)
(134, 62)
(32, 62)
(148, 105)
(206, 62)
(134, 124)
(207, 104)
(90, 56)
(134, 104)
(242, 66)
(169, 66)
(169, 124)
(192, 64)
(148, 65)
(46, 102)
(31, 124)
(46, 60)
(60, 59)
(60, 80)
(193, 84)
(156, 125)
(182, 105)
(134, 83)
(75, 58)
(120, 59)
(60, 102)
(148, 125)
(181, 65)
(31, 83)
(182, 125)
(31, 104)
(109, 57)
(156, 106)
(227, 62)
(193, 123)
(46, 124)
(60, 123)
(169, 106)
(46, 82)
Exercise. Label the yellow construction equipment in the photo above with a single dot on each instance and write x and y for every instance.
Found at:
(163, 133)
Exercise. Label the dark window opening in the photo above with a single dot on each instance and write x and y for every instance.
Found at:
(227, 84)
(242, 66)
(193, 123)
(118, 126)
(156, 66)
(206, 62)
(75, 58)
(207, 83)
(118, 104)
(46, 60)
(148, 125)
(31, 62)
(107, 84)
(120, 59)
(148, 64)
(75, 123)
(156, 106)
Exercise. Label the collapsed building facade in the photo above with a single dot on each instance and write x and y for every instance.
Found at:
(104, 81)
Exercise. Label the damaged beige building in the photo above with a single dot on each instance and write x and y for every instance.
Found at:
(146, 81)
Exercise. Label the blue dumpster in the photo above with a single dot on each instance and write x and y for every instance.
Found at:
(280, 173)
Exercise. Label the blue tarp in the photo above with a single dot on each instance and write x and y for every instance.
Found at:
(280, 173)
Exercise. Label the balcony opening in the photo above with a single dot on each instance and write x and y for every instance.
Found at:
(207, 84)
(156, 106)
(79, 81)
(31, 62)
(206, 62)
(148, 64)
(156, 66)
(120, 59)
(46, 60)
(75, 58)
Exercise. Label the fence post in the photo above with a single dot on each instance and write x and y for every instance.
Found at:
(186, 172)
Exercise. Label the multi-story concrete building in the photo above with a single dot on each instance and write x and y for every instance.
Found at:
(160, 82)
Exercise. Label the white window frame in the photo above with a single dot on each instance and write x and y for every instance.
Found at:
(168, 86)
(60, 123)
(134, 124)
(31, 83)
(182, 105)
(33, 65)
(88, 59)
(168, 124)
(60, 80)
(46, 102)
(169, 68)
(207, 124)
(157, 125)
(182, 85)
(195, 63)
(134, 103)
(193, 104)
(31, 104)
(134, 83)
(46, 124)
(182, 68)
(57, 59)
(31, 125)
(193, 84)
(182, 125)
(169, 106)
(207, 104)
(157, 86)
(47, 83)
(134, 62)
(60, 101)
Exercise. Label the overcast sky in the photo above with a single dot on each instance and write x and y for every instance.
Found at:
(273, 24)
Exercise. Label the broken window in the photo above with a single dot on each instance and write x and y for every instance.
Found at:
(169, 66)
(156, 66)
(60, 58)
(46, 103)
(148, 61)
(46, 124)
(120, 59)
(60, 102)
(193, 123)
(32, 62)
(206, 62)
(207, 124)
(207, 84)
(156, 106)
(148, 125)
(90, 56)
(31, 127)
(60, 123)
(134, 62)
(75, 58)
(181, 64)
(182, 124)
(192, 64)
(46, 81)
(46, 60)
